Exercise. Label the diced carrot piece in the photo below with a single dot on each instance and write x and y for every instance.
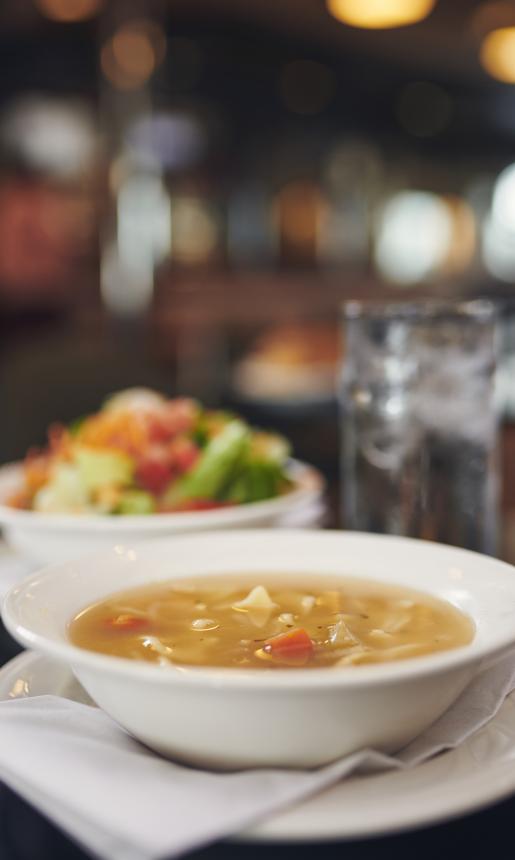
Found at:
(36, 470)
(293, 648)
(21, 500)
(117, 430)
(127, 622)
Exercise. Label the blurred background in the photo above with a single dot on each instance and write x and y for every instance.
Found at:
(189, 189)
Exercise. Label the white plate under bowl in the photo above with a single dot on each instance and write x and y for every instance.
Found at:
(50, 538)
(476, 774)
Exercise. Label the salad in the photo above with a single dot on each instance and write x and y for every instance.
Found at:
(143, 453)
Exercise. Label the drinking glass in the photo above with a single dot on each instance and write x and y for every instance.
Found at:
(419, 426)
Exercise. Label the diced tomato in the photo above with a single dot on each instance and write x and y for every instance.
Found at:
(179, 415)
(153, 474)
(157, 429)
(183, 454)
(127, 622)
(293, 648)
(174, 418)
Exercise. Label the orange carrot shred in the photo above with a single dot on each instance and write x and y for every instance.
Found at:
(293, 648)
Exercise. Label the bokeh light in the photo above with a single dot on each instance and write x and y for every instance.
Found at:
(497, 54)
(463, 241)
(424, 109)
(56, 136)
(69, 11)
(306, 87)
(249, 232)
(299, 211)
(354, 162)
(414, 237)
(131, 55)
(168, 138)
(195, 230)
(503, 201)
(380, 14)
(499, 250)
(142, 242)
(499, 228)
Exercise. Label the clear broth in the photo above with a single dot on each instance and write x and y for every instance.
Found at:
(253, 622)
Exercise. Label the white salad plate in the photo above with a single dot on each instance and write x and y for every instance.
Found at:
(473, 776)
(48, 538)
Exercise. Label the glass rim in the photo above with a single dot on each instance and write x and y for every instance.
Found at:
(421, 310)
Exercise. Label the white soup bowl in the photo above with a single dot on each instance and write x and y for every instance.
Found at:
(232, 718)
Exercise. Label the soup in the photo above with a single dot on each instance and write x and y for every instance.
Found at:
(270, 622)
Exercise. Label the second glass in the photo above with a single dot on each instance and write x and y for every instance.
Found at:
(419, 427)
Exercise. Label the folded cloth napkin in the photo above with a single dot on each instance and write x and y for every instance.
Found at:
(123, 802)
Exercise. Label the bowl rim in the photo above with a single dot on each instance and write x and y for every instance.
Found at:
(309, 487)
(413, 668)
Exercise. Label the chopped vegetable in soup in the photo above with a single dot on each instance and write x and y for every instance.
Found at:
(268, 622)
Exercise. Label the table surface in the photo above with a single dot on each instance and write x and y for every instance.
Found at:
(26, 835)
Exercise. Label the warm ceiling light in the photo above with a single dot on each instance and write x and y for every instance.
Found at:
(134, 53)
(380, 14)
(497, 54)
(68, 10)
(130, 57)
(133, 71)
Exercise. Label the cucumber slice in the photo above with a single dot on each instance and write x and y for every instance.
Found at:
(97, 467)
(215, 468)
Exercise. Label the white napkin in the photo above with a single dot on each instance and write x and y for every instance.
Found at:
(122, 802)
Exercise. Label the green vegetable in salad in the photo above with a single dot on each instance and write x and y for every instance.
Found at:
(99, 468)
(215, 467)
(257, 481)
(269, 447)
(261, 472)
(135, 502)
